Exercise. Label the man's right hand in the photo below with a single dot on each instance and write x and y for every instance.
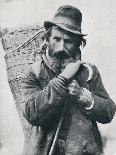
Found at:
(71, 69)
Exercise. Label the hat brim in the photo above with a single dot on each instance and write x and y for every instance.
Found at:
(49, 24)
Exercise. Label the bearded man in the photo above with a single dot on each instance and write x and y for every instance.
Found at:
(61, 103)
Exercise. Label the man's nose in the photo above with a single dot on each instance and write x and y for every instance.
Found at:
(61, 45)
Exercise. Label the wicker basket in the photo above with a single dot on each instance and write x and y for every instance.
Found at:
(21, 47)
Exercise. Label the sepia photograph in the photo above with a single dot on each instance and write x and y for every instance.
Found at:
(57, 77)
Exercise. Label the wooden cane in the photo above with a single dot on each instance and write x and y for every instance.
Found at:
(57, 132)
(61, 119)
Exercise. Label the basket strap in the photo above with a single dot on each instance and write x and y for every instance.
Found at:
(36, 68)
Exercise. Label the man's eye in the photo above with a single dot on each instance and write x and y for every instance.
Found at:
(56, 39)
(68, 41)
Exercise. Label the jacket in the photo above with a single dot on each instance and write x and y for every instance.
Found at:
(46, 100)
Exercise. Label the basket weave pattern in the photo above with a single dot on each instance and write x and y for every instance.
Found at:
(22, 48)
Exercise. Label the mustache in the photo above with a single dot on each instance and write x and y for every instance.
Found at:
(64, 54)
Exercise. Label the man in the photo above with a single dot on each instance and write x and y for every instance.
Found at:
(61, 103)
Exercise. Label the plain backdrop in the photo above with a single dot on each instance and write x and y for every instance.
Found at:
(99, 22)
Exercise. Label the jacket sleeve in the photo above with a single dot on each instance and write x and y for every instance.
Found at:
(42, 105)
(104, 108)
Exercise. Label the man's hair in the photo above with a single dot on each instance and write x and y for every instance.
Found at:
(81, 41)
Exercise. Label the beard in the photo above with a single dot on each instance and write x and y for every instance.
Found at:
(60, 59)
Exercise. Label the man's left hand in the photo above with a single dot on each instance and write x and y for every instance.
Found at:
(74, 88)
(82, 95)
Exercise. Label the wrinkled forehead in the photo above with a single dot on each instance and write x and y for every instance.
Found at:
(56, 31)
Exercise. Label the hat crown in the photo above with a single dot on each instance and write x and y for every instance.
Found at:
(68, 18)
(71, 13)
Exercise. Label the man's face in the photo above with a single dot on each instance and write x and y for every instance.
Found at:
(62, 45)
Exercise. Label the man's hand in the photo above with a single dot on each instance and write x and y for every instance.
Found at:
(74, 88)
(71, 69)
(85, 97)
(80, 94)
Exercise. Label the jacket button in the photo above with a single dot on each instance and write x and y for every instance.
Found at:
(59, 98)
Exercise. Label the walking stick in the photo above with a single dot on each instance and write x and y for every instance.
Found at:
(61, 119)
(57, 132)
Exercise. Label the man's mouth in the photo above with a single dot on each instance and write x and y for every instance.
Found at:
(61, 55)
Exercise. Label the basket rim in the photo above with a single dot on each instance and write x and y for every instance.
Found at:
(26, 42)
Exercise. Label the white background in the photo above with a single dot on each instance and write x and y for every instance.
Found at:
(99, 22)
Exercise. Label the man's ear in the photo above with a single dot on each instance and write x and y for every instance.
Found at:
(47, 43)
(44, 45)
(77, 54)
(48, 35)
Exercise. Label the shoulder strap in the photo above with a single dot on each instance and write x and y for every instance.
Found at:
(36, 67)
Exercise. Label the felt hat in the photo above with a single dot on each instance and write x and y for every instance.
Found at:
(67, 18)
